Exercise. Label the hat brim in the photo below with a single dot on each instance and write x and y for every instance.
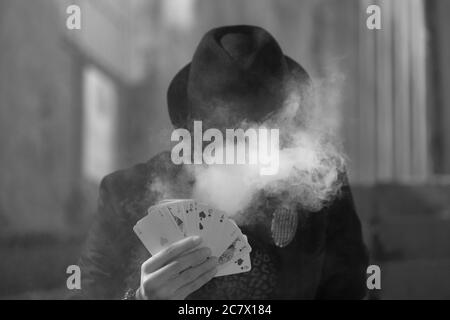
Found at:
(178, 101)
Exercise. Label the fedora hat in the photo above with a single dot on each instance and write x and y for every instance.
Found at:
(237, 73)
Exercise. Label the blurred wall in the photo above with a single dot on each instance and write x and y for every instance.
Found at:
(41, 187)
(44, 199)
(439, 79)
(38, 96)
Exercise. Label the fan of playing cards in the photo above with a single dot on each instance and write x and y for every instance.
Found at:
(172, 220)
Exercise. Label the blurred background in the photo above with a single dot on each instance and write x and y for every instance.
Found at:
(78, 104)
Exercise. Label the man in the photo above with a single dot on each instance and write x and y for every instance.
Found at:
(237, 73)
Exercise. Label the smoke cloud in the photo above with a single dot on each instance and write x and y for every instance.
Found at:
(311, 160)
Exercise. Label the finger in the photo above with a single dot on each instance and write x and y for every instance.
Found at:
(193, 286)
(164, 285)
(174, 268)
(188, 260)
(193, 273)
(171, 252)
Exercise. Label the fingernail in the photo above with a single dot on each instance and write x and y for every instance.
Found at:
(196, 239)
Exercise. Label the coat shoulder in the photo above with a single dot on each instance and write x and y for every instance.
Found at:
(138, 174)
(131, 186)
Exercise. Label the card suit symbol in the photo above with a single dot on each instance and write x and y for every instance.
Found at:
(163, 241)
(200, 226)
(239, 261)
(177, 220)
(202, 215)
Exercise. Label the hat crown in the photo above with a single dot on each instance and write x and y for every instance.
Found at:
(237, 72)
(238, 66)
(245, 48)
(238, 45)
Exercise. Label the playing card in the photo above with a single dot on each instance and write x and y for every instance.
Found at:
(171, 220)
(228, 234)
(238, 264)
(214, 233)
(171, 201)
(190, 211)
(204, 217)
(157, 230)
(176, 212)
(238, 247)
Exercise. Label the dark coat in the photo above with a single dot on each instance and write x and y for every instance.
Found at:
(326, 260)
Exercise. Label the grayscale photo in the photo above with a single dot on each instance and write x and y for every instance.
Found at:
(222, 150)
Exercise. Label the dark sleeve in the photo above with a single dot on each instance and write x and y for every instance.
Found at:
(103, 257)
(346, 259)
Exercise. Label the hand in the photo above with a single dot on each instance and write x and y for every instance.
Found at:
(177, 271)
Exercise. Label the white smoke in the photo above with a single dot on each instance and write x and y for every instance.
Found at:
(310, 165)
